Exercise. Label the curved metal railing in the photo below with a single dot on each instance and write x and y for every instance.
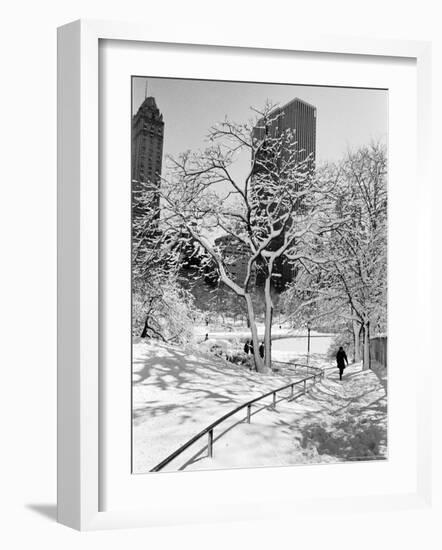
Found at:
(318, 373)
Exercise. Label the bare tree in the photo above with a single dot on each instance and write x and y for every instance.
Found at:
(161, 307)
(360, 247)
(352, 284)
(277, 212)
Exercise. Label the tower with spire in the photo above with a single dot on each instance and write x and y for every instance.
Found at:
(147, 144)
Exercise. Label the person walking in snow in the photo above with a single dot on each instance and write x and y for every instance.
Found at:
(261, 350)
(341, 360)
(247, 347)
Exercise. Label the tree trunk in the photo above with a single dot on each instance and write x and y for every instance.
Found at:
(366, 359)
(356, 342)
(268, 325)
(154, 331)
(259, 364)
(144, 333)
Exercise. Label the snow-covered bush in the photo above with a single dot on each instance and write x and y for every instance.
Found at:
(164, 311)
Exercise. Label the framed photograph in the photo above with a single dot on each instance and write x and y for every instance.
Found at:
(234, 262)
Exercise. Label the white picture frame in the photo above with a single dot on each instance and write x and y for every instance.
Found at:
(79, 293)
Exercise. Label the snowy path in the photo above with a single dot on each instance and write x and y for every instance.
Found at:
(177, 394)
(335, 422)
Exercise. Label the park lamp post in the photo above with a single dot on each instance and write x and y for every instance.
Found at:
(309, 326)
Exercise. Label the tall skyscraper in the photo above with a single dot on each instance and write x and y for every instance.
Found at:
(300, 117)
(147, 145)
(296, 115)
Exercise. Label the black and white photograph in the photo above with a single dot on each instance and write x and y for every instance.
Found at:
(221, 275)
(259, 274)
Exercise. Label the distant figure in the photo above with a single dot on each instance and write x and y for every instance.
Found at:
(341, 360)
(207, 336)
(247, 348)
(261, 350)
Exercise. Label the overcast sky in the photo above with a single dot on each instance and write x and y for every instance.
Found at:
(346, 117)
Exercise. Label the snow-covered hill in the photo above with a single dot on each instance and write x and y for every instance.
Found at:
(177, 393)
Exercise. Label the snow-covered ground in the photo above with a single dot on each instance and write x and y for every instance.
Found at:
(177, 393)
(287, 344)
(295, 348)
(232, 331)
(335, 422)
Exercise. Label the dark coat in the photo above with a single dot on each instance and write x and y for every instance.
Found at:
(341, 359)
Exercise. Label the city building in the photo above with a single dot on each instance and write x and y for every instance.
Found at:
(296, 115)
(147, 146)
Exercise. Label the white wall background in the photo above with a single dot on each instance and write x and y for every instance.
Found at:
(28, 268)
